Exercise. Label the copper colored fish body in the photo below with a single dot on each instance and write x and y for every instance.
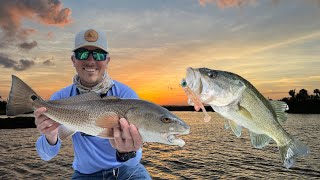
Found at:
(94, 115)
(244, 106)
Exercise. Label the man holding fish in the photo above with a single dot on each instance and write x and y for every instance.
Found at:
(94, 157)
(106, 120)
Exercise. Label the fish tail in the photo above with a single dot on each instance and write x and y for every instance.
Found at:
(292, 150)
(21, 98)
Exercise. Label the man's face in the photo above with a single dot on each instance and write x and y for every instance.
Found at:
(90, 71)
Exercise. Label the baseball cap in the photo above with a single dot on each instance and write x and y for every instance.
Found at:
(91, 37)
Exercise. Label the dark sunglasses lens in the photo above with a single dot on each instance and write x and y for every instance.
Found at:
(82, 54)
(99, 55)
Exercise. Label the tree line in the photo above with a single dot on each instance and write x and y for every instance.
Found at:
(303, 102)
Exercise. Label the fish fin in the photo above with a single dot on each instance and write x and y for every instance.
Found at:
(244, 112)
(21, 98)
(106, 133)
(293, 149)
(64, 132)
(109, 120)
(259, 140)
(235, 128)
(90, 96)
(226, 124)
(279, 108)
(110, 97)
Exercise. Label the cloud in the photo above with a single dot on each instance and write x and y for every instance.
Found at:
(48, 62)
(226, 3)
(22, 65)
(238, 3)
(27, 45)
(47, 12)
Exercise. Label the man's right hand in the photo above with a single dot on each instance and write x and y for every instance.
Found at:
(46, 126)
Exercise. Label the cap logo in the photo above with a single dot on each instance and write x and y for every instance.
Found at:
(91, 35)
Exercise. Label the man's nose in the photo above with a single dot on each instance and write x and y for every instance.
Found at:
(90, 58)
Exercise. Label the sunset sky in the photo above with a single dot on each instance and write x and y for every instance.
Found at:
(274, 44)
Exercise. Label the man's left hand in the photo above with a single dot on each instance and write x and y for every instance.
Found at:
(126, 137)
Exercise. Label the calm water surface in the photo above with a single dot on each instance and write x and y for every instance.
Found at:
(211, 152)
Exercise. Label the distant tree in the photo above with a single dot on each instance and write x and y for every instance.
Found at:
(317, 93)
(292, 93)
(302, 95)
(3, 107)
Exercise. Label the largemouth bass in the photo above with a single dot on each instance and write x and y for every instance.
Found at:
(243, 105)
(94, 115)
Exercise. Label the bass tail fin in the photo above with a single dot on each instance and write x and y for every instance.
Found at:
(289, 152)
(20, 98)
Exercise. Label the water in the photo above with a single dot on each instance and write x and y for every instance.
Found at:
(211, 152)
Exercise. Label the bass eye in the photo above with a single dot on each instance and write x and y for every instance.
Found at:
(166, 120)
(211, 75)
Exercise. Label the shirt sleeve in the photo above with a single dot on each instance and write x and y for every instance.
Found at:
(45, 150)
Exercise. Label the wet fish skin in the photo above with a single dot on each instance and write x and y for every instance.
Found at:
(236, 99)
(96, 116)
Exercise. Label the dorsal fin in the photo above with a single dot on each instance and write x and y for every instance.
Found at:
(279, 108)
(90, 96)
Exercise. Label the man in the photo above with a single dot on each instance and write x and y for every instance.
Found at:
(94, 157)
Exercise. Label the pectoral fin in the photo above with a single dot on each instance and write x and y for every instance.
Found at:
(244, 112)
(235, 128)
(226, 124)
(108, 121)
(259, 140)
(64, 132)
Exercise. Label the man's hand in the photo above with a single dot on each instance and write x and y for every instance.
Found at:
(126, 137)
(46, 126)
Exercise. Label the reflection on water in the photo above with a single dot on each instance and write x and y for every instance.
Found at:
(211, 152)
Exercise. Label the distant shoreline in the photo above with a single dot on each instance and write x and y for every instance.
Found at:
(27, 121)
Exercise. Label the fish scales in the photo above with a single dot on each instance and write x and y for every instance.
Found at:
(244, 106)
(94, 115)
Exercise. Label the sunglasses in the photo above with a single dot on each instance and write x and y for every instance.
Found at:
(97, 54)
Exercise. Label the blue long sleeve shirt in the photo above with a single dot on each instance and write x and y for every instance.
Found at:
(91, 154)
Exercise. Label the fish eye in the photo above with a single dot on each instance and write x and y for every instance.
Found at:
(166, 120)
(211, 74)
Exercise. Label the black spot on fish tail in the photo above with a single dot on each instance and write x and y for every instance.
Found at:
(34, 97)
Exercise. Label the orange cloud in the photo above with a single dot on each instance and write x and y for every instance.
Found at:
(226, 3)
(12, 13)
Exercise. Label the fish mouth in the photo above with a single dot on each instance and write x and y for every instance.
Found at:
(190, 76)
(173, 137)
(192, 79)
